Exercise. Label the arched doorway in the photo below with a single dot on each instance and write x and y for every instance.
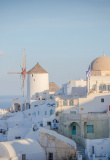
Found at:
(75, 131)
(17, 107)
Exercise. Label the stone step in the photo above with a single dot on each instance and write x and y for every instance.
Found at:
(81, 151)
(81, 154)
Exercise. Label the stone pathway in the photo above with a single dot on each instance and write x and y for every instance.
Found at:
(81, 151)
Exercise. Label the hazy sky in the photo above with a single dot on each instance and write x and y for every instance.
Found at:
(64, 36)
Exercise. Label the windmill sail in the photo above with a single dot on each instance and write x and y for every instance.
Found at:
(23, 72)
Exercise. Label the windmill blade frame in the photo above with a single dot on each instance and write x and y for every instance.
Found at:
(14, 72)
(23, 72)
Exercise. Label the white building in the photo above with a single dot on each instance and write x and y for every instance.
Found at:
(21, 150)
(89, 125)
(99, 80)
(37, 102)
(74, 87)
(98, 87)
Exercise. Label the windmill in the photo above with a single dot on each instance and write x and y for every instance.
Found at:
(23, 72)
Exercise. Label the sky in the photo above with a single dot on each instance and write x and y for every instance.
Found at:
(64, 36)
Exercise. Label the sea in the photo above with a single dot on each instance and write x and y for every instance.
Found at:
(6, 101)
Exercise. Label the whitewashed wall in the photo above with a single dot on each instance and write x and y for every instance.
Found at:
(92, 103)
(101, 147)
(38, 83)
(67, 87)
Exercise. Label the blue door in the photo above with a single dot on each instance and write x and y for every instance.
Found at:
(73, 127)
(51, 112)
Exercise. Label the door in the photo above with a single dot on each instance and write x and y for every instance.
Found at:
(51, 112)
(23, 157)
(73, 129)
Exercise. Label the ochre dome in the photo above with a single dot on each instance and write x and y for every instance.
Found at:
(101, 64)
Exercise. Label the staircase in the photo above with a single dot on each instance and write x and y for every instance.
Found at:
(81, 151)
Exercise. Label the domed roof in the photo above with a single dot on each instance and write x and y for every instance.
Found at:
(37, 69)
(101, 64)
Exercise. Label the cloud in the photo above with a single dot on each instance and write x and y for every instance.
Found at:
(1, 52)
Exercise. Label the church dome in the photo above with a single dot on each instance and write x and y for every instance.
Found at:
(101, 64)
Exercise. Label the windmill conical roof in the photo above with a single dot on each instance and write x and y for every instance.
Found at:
(37, 69)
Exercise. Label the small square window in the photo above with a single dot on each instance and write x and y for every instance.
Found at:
(41, 125)
(71, 103)
(37, 95)
(50, 156)
(72, 112)
(35, 105)
(17, 137)
(0, 130)
(102, 99)
(48, 123)
(65, 103)
(90, 129)
(74, 127)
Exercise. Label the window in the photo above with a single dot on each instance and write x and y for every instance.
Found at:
(72, 112)
(57, 104)
(38, 112)
(102, 100)
(48, 123)
(41, 125)
(90, 129)
(23, 157)
(108, 87)
(32, 75)
(51, 112)
(71, 103)
(45, 112)
(104, 87)
(0, 130)
(17, 137)
(37, 95)
(50, 156)
(94, 87)
(35, 105)
(73, 129)
(64, 103)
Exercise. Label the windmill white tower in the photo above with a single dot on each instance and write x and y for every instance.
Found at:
(37, 83)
